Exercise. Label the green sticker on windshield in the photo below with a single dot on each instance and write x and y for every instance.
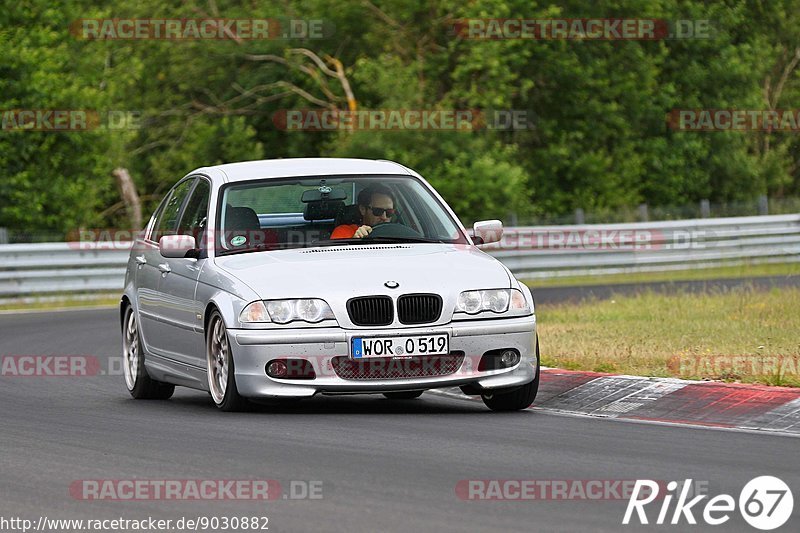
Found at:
(239, 240)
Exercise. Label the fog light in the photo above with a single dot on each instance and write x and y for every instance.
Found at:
(277, 369)
(509, 358)
(291, 369)
(499, 359)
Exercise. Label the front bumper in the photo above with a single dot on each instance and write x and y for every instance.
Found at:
(253, 349)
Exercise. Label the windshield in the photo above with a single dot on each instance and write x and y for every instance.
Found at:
(279, 214)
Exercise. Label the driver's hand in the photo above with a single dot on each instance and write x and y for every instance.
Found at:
(362, 232)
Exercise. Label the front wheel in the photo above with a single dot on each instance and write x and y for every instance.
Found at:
(220, 367)
(515, 399)
(139, 383)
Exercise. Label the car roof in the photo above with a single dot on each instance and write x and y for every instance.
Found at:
(294, 167)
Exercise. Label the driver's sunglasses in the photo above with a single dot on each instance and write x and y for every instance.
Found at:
(379, 211)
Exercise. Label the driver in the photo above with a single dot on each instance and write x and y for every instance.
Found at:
(376, 204)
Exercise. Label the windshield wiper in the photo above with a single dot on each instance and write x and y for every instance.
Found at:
(380, 240)
(403, 239)
(258, 248)
(324, 242)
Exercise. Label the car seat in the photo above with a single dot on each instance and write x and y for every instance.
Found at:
(243, 222)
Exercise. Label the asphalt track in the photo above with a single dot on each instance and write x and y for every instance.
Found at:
(384, 465)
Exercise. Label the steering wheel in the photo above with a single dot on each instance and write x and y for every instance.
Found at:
(393, 229)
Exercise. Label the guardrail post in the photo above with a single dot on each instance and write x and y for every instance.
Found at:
(579, 218)
(705, 209)
(3, 236)
(763, 205)
(642, 212)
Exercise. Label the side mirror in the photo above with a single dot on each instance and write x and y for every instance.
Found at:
(176, 246)
(487, 231)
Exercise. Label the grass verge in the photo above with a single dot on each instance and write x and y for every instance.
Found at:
(741, 335)
(737, 271)
(61, 302)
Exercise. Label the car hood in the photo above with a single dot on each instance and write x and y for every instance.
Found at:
(342, 272)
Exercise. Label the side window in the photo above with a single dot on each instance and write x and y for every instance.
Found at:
(156, 217)
(168, 219)
(195, 216)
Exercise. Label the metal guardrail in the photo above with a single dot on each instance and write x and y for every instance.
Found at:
(534, 252)
(48, 268)
(540, 252)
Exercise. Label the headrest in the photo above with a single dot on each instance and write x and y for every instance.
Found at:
(241, 219)
(349, 214)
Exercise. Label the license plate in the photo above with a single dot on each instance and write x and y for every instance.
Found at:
(365, 347)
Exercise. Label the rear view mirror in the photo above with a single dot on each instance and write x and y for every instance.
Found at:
(323, 193)
(176, 246)
(487, 231)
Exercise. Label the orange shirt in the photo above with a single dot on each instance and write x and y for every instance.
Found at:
(345, 231)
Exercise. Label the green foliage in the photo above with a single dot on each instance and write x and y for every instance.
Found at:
(599, 138)
(49, 180)
(476, 173)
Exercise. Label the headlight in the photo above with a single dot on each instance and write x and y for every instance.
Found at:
(469, 302)
(254, 313)
(284, 311)
(506, 301)
(312, 310)
(519, 305)
(474, 302)
(307, 309)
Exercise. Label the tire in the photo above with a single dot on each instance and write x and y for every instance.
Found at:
(515, 399)
(220, 367)
(404, 395)
(140, 385)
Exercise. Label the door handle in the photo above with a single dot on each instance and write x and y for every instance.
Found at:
(141, 260)
(164, 267)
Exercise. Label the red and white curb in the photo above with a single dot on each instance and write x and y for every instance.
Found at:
(668, 400)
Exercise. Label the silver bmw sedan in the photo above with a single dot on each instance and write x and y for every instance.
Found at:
(288, 278)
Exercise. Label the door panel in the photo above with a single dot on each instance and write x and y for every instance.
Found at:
(155, 329)
(177, 287)
(178, 311)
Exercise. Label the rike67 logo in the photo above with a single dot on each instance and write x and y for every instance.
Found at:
(765, 503)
